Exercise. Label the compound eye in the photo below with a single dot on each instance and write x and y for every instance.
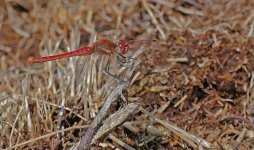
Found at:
(124, 46)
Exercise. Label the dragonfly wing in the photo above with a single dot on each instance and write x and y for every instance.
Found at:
(142, 44)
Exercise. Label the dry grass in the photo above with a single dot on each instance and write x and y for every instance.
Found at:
(193, 89)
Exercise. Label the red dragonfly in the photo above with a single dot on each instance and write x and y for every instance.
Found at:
(103, 46)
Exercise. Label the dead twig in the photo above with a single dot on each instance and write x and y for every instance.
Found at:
(47, 135)
(240, 118)
(116, 119)
(86, 140)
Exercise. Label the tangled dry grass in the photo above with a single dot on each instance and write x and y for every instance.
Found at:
(193, 90)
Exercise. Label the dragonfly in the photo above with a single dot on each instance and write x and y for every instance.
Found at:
(104, 47)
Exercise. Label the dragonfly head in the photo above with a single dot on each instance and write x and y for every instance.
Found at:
(124, 46)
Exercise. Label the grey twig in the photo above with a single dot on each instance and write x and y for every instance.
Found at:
(86, 140)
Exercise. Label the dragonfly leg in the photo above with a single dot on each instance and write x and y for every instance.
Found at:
(125, 61)
(124, 100)
(109, 73)
(118, 79)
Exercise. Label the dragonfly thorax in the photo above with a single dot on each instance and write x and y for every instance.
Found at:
(104, 46)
